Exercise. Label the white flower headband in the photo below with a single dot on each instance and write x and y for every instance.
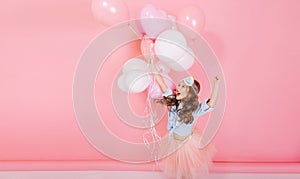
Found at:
(189, 80)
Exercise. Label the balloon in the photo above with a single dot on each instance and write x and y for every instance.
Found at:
(193, 17)
(162, 68)
(134, 64)
(135, 76)
(184, 63)
(121, 83)
(137, 81)
(147, 46)
(154, 90)
(169, 45)
(139, 27)
(110, 12)
(154, 21)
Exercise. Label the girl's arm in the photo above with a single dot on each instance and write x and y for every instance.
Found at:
(159, 79)
(214, 94)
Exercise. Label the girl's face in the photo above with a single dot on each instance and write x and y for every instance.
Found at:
(181, 90)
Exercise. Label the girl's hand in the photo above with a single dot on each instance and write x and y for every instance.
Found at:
(217, 79)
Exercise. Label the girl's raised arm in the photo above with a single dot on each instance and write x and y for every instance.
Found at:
(214, 93)
(159, 79)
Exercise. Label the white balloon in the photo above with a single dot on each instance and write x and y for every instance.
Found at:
(184, 63)
(173, 35)
(169, 45)
(122, 83)
(137, 81)
(134, 64)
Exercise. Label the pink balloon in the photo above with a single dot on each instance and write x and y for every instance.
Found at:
(154, 27)
(110, 12)
(139, 27)
(193, 17)
(154, 90)
(147, 46)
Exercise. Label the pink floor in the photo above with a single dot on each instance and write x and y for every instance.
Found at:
(133, 175)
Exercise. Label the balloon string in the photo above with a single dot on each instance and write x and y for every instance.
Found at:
(134, 31)
(152, 131)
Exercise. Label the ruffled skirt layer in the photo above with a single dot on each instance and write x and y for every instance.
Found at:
(183, 158)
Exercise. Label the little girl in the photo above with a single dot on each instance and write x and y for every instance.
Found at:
(181, 147)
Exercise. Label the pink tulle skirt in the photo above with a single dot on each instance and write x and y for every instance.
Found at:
(183, 158)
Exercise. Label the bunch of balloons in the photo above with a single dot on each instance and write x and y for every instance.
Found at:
(136, 77)
(110, 12)
(161, 38)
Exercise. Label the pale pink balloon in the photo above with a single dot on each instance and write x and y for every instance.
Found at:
(139, 27)
(154, 90)
(110, 12)
(154, 21)
(147, 46)
(193, 17)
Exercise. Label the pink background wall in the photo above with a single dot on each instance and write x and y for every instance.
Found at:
(257, 43)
